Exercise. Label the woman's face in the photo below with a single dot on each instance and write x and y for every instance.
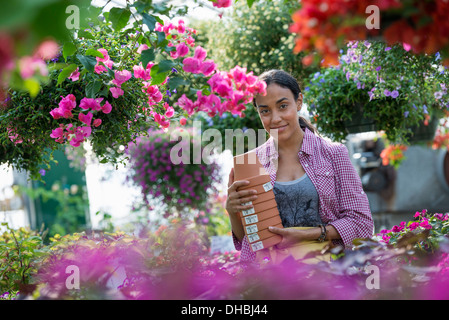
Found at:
(278, 109)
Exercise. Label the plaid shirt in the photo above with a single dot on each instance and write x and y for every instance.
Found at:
(343, 203)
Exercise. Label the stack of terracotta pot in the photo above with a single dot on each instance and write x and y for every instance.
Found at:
(264, 212)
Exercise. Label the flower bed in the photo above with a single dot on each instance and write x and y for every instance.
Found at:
(410, 261)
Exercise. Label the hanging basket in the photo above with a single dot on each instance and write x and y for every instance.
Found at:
(422, 133)
(359, 122)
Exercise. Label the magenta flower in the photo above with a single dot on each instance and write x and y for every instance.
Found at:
(116, 92)
(208, 67)
(85, 118)
(182, 49)
(90, 103)
(222, 3)
(75, 75)
(191, 65)
(121, 77)
(106, 108)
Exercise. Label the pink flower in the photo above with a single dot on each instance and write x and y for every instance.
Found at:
(97, 122)
(191, 65)
(425, 224)
(182, 49)
(29, 65)
(75, 75)
(208, 67)
(183, 121)
(106, 108)
(90, 103)
(186, 104)
(141, 73)
(105, 60)
(47, 50)
(181, 26)
(142, 47)
(170, 112)
(121, 77)
(406, 46)
(85, 118)
(58, 134)
(200, 53)
(56, 113)
(222, 3)
(116, 92)
(413, 226)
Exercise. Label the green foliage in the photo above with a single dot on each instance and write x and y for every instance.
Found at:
(20, 253)
(255, 38)
(71, 205)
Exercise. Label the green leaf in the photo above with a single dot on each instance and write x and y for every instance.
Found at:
(88, 62)
(249, 3)
(94, 52)
(166, 65)
(176, 82)
(66, 72)
(149, 20)
(92, 88)
(156, 76)
(32, 86)
(147, 56)
(68, 49)
(119, 18)
(86, 35)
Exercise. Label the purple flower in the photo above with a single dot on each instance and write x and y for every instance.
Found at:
(406, 113)
(378, 68)
(387, 93)
(425, 109)
(394, 94)
(438, 95)
(42, 172)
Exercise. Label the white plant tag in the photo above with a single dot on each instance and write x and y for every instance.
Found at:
(251, 219)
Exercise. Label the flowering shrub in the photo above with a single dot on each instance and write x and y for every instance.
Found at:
(155, 169)
(427, 231)
(393, 155)
(108, 96)
(323, 26)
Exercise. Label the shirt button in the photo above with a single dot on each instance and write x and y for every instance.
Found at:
(306, 165)
(362, 192)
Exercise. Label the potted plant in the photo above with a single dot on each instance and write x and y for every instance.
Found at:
(393, 87)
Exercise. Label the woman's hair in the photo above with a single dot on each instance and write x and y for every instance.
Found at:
(285, 80)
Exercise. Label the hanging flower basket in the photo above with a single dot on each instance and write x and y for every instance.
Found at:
(359, 122)
(423, 133)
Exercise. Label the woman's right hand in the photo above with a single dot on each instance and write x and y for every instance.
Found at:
(236, 199)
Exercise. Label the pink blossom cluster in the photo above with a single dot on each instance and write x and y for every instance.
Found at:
(70, 132)
(221, 3)
(29, 65)
(236, 88)
(183, 34)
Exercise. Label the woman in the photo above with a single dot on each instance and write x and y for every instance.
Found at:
(314, 181)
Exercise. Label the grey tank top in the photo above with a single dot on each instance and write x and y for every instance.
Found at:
(297, 202)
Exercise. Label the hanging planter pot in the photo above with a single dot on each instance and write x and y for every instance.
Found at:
(422, 133)
(359, 122)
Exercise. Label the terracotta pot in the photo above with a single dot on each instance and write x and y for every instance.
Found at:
(262, 235)
(264, 212)
(260, 216)
(247, 165)
(267, 243)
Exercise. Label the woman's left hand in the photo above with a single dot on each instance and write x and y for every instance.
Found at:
(290, 236)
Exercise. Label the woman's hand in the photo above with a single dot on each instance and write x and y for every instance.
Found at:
(236, 199)
(290, 236)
